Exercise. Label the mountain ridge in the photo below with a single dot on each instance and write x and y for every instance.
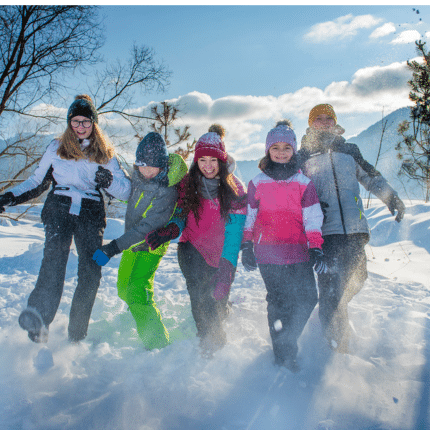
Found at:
(368, 141)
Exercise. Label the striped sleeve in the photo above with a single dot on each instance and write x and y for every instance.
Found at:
(251, 213)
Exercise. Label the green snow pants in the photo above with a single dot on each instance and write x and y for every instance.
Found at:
(136, 287)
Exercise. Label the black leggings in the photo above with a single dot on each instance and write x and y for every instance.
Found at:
(208, 313)
(291, 298)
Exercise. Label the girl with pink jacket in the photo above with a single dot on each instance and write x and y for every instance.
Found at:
(282, 236)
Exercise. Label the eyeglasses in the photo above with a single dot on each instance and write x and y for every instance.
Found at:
(86, 123)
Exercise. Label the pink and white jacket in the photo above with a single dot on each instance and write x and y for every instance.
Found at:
(212, 236)
(284, 219)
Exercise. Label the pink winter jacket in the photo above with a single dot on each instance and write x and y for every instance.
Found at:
(284, 219)
(212, 236)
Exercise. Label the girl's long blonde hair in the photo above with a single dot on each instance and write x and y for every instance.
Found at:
(99, 151)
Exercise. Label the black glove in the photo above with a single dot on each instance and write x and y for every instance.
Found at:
(103, 177)
(395, 204)
(6, 200)
(162, 235)
(105, 253)
(248, 257)
(318, 260)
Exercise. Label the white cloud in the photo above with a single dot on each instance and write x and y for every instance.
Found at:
(384, 30)
(247, 119)
(340, 28)
(407, 36)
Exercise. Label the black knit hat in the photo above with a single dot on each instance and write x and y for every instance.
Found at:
(83, 106)
(152, 151)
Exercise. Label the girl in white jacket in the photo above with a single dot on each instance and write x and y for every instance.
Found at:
(78, 164)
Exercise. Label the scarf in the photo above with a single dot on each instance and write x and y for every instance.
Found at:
(209, 187)
(321, 140)
(282, 171)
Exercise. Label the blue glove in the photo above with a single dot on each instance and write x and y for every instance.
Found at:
(318, 260)
(100, 257)
(105, 253)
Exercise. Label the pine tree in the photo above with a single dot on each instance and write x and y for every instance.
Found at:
(414, 148)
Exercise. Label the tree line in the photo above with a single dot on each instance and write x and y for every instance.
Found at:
(40, 48)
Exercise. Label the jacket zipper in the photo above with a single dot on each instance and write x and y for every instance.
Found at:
(337, 190)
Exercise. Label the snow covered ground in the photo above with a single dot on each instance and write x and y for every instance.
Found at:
(109, 381)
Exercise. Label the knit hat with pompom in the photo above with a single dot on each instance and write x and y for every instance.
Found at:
(281, 133)
(83, 106)
(210, 144)
(152, 151)
(219, 129)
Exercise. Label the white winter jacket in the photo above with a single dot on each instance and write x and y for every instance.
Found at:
(72, 178)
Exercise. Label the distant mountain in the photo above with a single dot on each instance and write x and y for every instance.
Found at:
(246, 170)
(368, 142)
(388, 163)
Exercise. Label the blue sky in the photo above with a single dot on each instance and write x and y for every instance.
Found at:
(248, 66)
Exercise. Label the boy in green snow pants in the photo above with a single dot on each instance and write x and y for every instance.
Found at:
(150, 205)
(136, 287)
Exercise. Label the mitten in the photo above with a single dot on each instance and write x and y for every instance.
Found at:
(395, 204)
(248, 256)
(318, 260)
(105, 253)
(103, 177)
(162, 235)
(5, 200)
(223, 279)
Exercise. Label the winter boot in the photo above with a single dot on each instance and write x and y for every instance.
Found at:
(211, 343)
(31, 321)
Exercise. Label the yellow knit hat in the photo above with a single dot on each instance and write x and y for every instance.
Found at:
(321, 109)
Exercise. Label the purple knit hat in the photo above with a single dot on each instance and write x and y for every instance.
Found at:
(212, 145)
(281, 133)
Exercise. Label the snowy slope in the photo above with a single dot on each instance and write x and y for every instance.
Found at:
(109, 381)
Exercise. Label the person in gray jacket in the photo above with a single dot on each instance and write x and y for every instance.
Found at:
(150, 205)
(337, 168)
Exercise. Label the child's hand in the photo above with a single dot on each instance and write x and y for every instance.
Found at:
(248, 256)
(318, 260)
(395, 204)
(162, 235)
(5, 200)
(103, 177)
(105, 253)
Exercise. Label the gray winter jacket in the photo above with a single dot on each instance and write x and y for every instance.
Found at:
(150, 204)
(336, 168)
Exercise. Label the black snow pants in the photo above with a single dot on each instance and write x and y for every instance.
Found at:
(60, 228)
(337, 288)
(208, 313)
(291, 298)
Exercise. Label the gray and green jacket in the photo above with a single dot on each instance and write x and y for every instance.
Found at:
(337, 168)
(150, 204)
